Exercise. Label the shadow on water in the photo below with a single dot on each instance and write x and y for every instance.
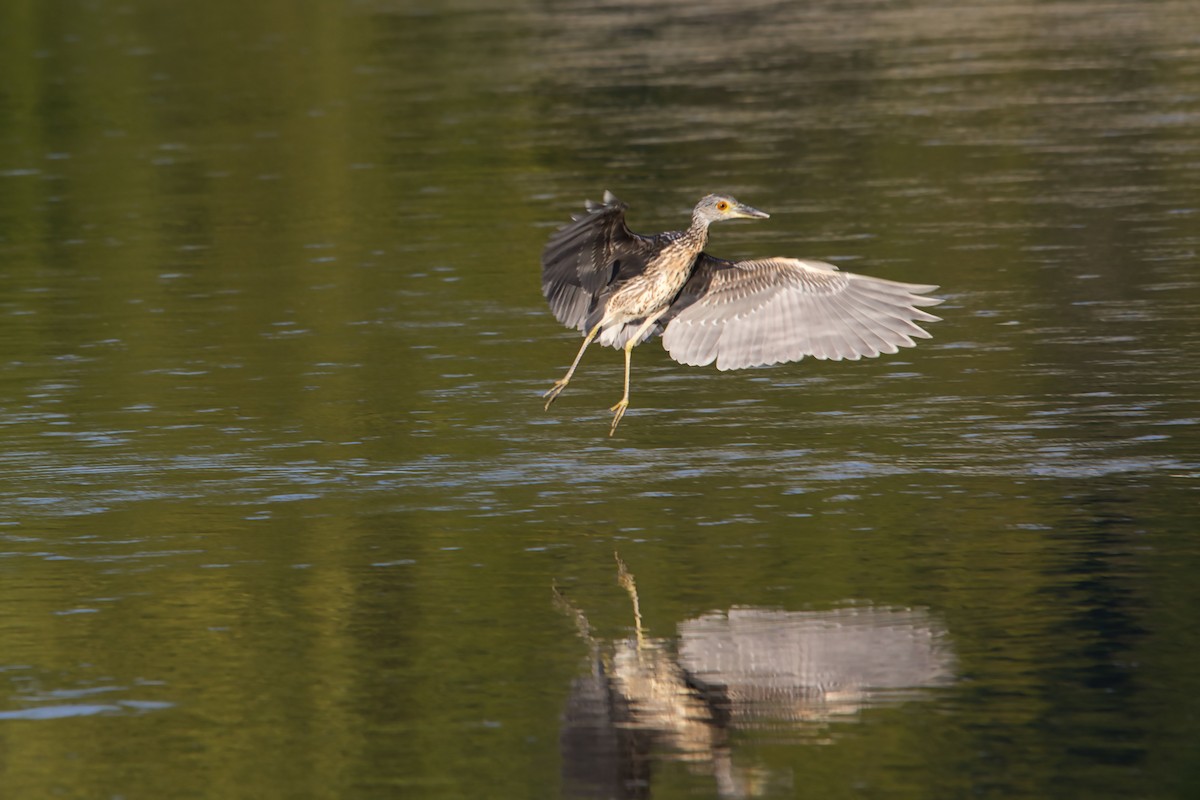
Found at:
(786, 674)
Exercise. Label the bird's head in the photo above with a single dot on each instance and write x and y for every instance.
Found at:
(717, 207)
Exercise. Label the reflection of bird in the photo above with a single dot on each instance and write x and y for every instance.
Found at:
(605, 280)
(747, 669)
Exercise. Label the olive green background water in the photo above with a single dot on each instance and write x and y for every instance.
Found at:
(281, 513)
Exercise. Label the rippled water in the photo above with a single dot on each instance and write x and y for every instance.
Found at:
(282, 514)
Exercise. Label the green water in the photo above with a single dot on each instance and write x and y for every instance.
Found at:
(281, 514)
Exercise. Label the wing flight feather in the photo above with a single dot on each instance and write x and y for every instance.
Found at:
(774, 310)
(584, 257)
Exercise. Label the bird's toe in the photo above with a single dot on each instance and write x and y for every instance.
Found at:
(618, 412)
(553, 392)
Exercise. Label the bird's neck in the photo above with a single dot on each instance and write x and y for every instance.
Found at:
(697, 235)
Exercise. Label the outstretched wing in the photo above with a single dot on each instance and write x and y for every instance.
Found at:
(583, 258)
(774, 310)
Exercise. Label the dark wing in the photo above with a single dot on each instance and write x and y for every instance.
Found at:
(774, 310)
(583, 258)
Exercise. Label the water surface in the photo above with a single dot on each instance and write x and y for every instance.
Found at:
(282, 515)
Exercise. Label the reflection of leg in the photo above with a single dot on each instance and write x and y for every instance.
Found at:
(567, 607)
(625, 578)
(561, 384)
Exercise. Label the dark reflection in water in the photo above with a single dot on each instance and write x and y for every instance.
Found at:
(790, 673)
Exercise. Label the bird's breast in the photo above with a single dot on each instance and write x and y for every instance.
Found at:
(655, 287)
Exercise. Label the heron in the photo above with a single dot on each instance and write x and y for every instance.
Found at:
(624, 288)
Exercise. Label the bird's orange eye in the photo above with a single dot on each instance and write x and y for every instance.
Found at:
(722, 205)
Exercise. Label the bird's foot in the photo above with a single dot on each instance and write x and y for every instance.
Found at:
(618, 412)
(555, 391)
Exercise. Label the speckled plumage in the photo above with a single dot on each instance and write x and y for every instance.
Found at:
(623, 288)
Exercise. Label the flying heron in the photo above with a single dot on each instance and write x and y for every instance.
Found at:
(607, 281)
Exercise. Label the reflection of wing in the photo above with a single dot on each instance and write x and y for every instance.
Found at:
(772, 662)
(597, 741)
(774, 310)
(583, 258)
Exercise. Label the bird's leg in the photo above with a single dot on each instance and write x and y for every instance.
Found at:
(561, 383)
(622, 404)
